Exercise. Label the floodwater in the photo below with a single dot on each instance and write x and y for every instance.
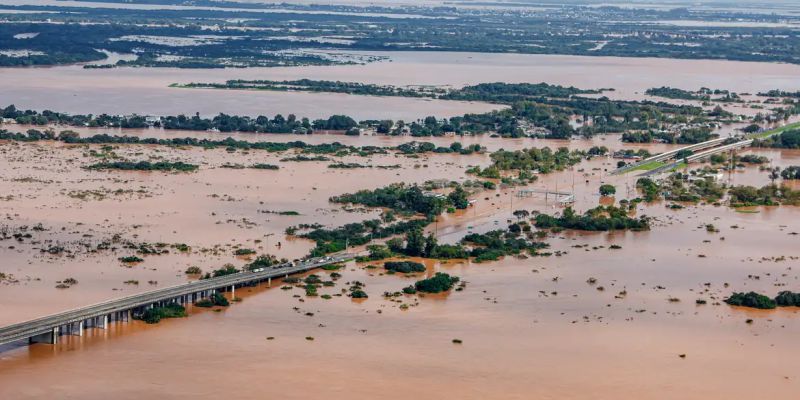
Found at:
(145, 90)
(531, 328)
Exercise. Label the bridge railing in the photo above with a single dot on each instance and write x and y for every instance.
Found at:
(40, 325)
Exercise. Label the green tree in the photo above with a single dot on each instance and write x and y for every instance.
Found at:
(458, 198)
(415, 243)
(430, 246)
(607, 190)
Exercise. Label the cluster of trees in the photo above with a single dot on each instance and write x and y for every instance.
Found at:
(684, 136)
(221, 122)
(356, 234)
(441, 282)
(769, 195)
(791, 172)
(260, 124)
(310, 85)
(607, 190)
(226, 269)
(544, 106)
(404, 198)
(674, 188)
(405, 267)
(549, 107)
(416, 244)
(542, 160)
(601, 218)
(428, 147)
(677, 187)
(752, 159)
(757, 300)
(492, 245)
(509, 93)
(786, 140)
(229, 143)
(156, 314)
(144, 166)
(216, 299)
(31, 117)
(675, 93)
(526, 162)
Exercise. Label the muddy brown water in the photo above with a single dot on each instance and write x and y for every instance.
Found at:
(531, 328)
(145, 90)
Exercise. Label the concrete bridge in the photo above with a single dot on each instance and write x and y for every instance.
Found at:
(710, 147)
(48, 329)
(699, 156)
(669, 154)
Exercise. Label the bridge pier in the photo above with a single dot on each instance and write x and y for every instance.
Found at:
(48, 337)
(99, 316)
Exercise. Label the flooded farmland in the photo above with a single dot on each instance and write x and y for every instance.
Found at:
(588, 321)
(146, 90)
(528, 320)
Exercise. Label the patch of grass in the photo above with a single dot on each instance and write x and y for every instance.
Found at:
(649, 166)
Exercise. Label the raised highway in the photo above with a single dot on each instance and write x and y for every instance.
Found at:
(668, 154)
(73, 322)
(710, 147)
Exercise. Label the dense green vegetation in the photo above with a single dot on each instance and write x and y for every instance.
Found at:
(405, 267)
(309, 85)
(228, 269)
(535, 110)
(493, 245)
(787, 299)
(679, 187)
(607, 190)
(216, 299)
(441, 282)
(156, 314)
(752, 300)
(789, 139)
(355, 234)
(405, 198)
(769, 195)
(144, 166)
(265, 166)
(70, 137)
(527, 162)
(683, 136)
(428, 147)
(791, 172)
(221, 122)
(602, 218)
(674, 93)
(756, 300)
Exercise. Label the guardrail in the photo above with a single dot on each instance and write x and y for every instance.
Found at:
(47, 324)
